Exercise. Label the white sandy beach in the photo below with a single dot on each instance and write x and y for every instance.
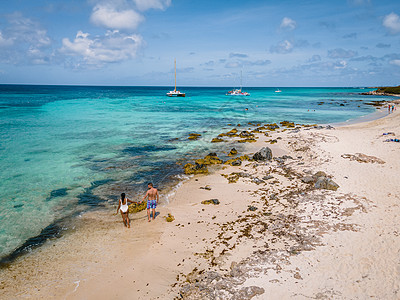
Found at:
(272, 238)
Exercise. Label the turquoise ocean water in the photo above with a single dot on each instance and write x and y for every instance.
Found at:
(67, 149)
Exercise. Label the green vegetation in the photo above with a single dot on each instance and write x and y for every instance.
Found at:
(389, 90)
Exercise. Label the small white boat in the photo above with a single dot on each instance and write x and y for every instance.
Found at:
(175, 93)
(278, 91)
(238, 92)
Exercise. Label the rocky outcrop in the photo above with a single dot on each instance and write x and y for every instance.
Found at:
(194, 136)
(237, 161)
(210, 159)
(326, 184)
(216, 140)
(263, 154)
(136, 207)
(191, 169)
(232, 152)
(321, 181)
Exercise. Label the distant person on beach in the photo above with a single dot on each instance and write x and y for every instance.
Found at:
(123, 207)
(389, 109)
(152, 201)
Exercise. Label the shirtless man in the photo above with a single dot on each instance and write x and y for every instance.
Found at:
(152, 202)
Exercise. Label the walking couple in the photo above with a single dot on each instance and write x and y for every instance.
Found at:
(153, 197)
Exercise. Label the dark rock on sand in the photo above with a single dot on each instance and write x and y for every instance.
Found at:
(258, 181)
(246, 134)
(195, 169)
(326, 183)
(236, 162)
(308, 179)
(207, 188)
(211, 201)
(263, 154)
(233, 152)
(268, 177)
(252, 208)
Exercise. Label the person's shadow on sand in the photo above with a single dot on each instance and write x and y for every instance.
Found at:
(157, 214)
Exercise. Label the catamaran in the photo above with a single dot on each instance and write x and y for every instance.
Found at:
(175, 93)
(238, 92)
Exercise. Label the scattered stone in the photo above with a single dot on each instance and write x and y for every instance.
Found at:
(297, 275)
(211, 201)
(249, 140)
(236, 162)
(216, 140)
(194, 136)
(308, 179)
(273, 197)
(287, 124)
(169, 218)
(329, 127)
(233, 152)
(252, 208)
(326, 183)
(263, 154)
(248, 293)
(207, 187)
(363, 158)
(246, 134)
(319, 174)
(210, 159)
(257, 181)
(268, 177)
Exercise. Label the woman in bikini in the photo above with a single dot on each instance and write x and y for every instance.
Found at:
(123, 207)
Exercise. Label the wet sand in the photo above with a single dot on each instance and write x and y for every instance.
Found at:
(273, 234)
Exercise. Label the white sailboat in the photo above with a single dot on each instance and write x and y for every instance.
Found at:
(175, 93)
(238, 92)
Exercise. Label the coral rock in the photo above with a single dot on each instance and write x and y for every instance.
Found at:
(263, 154)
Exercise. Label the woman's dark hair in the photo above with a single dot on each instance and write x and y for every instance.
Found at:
(123, 197)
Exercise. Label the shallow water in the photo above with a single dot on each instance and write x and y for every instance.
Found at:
(67, 149)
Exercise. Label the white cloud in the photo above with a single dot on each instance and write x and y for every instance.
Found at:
(5, 42)
(392, 22)
(283, 47)
(23, 40)
(395, 62)
(143, 5)
(341, 53)
(315, 58)
(288, 23)
(340, 64)
(109, 17)
(110, 48)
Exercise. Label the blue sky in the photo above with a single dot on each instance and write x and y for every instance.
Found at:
(134, 42)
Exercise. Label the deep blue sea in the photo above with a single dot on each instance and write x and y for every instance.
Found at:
(67, 149)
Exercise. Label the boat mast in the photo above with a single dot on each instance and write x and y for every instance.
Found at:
(175, 73)
(240, 80)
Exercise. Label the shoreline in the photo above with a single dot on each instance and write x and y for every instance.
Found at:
(77, 283)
